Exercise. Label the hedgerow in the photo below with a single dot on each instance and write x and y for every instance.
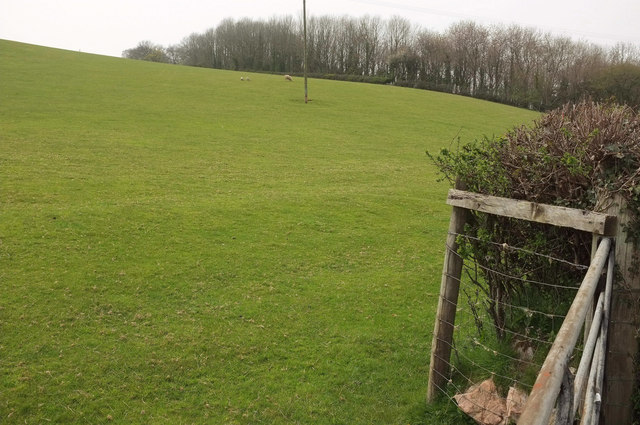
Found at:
(578, 156)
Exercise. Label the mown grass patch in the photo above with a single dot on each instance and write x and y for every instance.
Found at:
(180, 246)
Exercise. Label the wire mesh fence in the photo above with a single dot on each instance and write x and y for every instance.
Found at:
(506, 321)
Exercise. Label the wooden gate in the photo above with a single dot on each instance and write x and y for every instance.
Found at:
(617, 407)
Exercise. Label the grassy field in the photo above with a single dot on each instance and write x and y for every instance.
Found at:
(179, 246)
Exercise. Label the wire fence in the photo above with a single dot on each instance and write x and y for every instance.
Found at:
(504, 331)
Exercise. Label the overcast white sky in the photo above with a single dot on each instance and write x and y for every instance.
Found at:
(110, 26)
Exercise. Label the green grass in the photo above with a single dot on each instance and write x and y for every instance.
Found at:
(179, 246)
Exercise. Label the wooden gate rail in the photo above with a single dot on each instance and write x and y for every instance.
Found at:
(545, 391)
(588, 221)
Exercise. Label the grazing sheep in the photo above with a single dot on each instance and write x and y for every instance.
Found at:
(241, 78)
(288, 77)
(248, 79)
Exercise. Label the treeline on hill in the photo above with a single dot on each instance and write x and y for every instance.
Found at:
(513, 65)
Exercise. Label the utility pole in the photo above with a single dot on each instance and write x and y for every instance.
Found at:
(304, 19)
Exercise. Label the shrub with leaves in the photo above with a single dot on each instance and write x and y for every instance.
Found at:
(575, 156)
(567, 157)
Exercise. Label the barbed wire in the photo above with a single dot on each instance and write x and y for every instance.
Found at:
(469, 332)
(460, 392)
(511, 332)
(527, 310)
(479, 366)
(507, 276)
(506, 246)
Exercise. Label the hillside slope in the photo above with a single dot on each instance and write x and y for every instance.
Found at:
(181, 246)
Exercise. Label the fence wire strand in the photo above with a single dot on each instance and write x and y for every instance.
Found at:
(475, 333)
(507, 276)
(506, 246)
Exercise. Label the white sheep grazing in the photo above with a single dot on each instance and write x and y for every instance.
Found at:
(248, 79)
(288, 77)
(241, 78)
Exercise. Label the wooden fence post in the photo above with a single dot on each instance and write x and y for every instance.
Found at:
(622, 346)
(439, 369)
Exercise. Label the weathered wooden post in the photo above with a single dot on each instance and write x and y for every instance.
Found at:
(622, 347)
(439, 368)
(542, 397)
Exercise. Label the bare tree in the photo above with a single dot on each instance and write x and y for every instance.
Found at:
(398, 33)
(512, 64)
(624, 53)
(469, 43)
